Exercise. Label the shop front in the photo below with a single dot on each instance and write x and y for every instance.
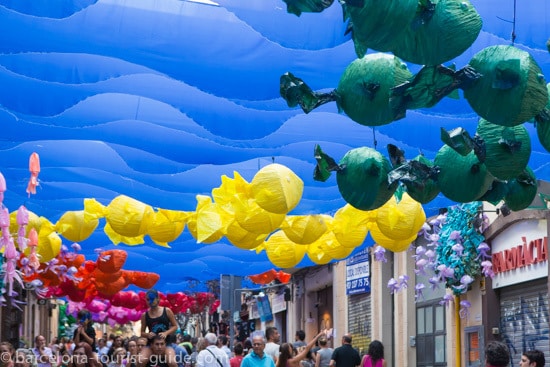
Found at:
(516, 304)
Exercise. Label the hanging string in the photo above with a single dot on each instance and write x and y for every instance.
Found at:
(514, 24)
(374, 138)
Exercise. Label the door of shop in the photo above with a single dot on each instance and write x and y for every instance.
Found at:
(524, 318)
(431, 350)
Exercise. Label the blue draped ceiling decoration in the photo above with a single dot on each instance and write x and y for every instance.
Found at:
(157, 100)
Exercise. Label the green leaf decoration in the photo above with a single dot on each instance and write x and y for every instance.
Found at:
(461, 178)
(295, 92)
(507, 74)
(397, 156)
(521, 190)
(429, 86)
(378, 25)
(419, 177)
(363, 92)
(307, 6)
(440, 31)
(507, 149)
(363, 179)
(458, 139)
(325, 165)
(543, 123)
(496, 193)
(511, 89)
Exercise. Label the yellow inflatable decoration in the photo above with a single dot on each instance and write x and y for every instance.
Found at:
(166, 226)
(74, 227)
(350, 225)
(329, 245)
(390, 243)
(242, 238)
(210, 220)
(400, 220)
(127, 218)
(318, 255)
(49, 242)
(246, 214)
(305, 229)
(277, 189)
(282, 252)
(255, 219)
(230, 190)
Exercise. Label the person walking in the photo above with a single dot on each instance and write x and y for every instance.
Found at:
(212, 356)
(374, 356)
(257, 357)
(497, 354)
(345, 355)
(272, 347)
(238, 358)
(222, 344)
(324, 354)
(532, 358)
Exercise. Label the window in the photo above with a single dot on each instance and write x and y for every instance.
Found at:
(474, 342)
(431, 349)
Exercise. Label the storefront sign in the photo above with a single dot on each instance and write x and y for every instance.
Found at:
(358, 273)
(520, 253)
(278, 303)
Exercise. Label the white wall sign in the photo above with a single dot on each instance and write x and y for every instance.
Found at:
(278, 303)
(520, 253)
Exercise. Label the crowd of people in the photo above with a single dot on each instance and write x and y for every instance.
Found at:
(158, 345)
(212, 351)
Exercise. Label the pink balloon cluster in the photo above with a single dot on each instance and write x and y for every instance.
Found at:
(124, 307)
(103, 311)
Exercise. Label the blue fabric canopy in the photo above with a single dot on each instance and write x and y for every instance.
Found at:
(157, 100)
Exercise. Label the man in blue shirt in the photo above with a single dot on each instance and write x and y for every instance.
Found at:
(257, 358)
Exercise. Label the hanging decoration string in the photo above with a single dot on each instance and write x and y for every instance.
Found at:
(513, 35)
(514, 24)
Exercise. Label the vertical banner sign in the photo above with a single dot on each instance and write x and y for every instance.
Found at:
(358, 273)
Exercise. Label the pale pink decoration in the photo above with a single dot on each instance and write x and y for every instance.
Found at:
(96, 306)
(11, 255)
(74, 307)
(101, 316)
(134, 315)
(34, 168)
(3, 187)
(34, 263)
(22, 218)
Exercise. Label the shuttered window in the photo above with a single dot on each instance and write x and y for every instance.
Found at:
(359, 320)
(524, 318)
